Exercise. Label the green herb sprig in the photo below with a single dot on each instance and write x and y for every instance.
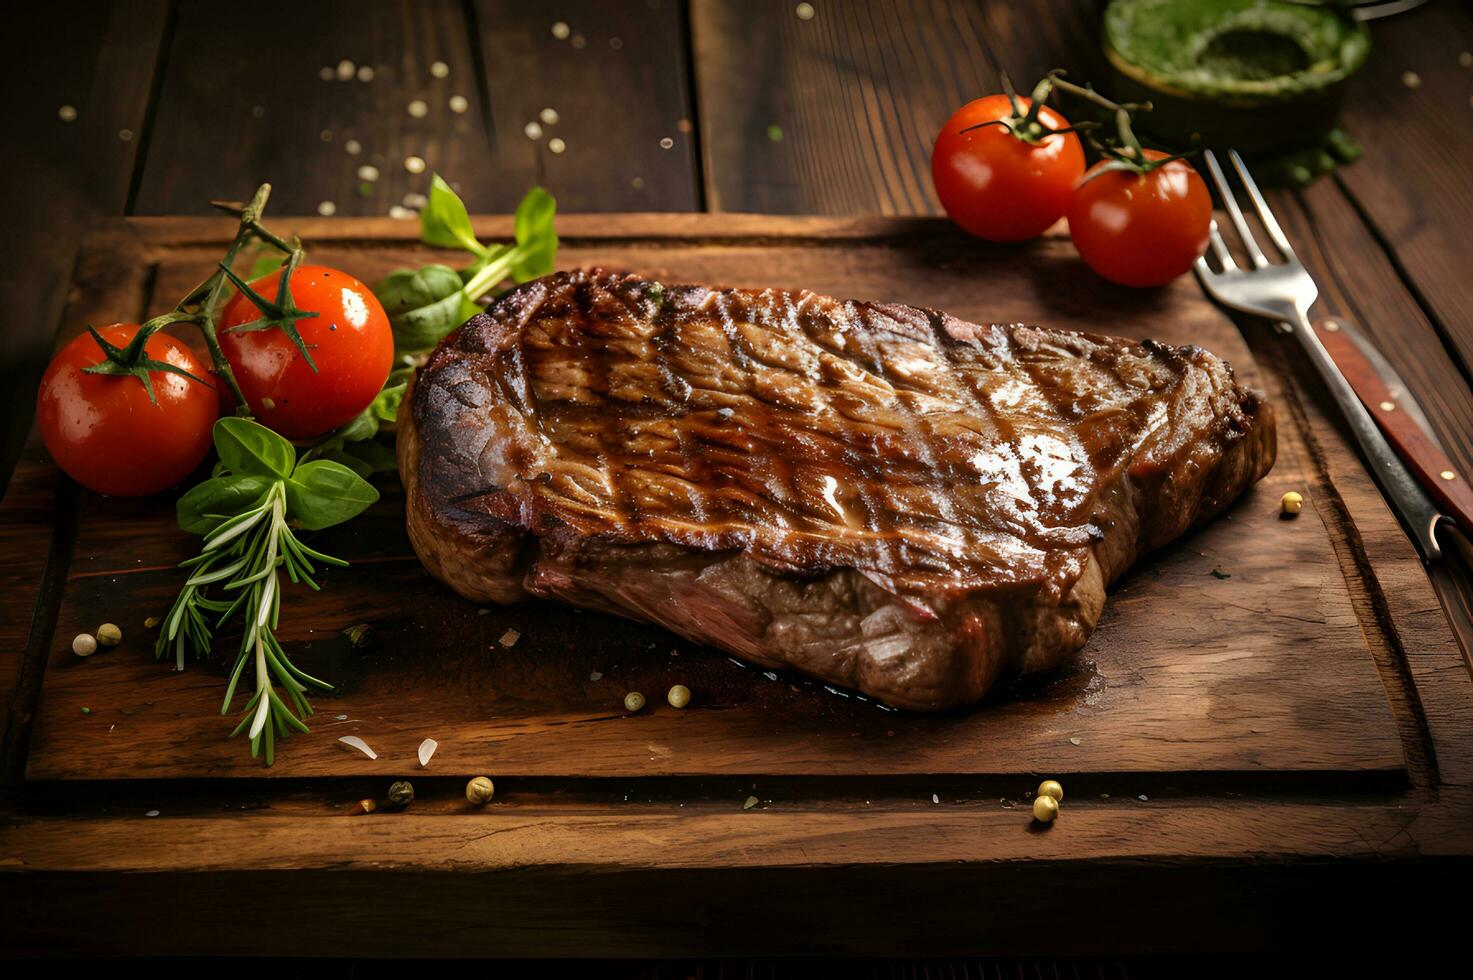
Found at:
(249, 513)
(426, 304)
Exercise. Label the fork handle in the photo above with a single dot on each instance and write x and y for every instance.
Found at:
(1416, 448)
(1416, 510)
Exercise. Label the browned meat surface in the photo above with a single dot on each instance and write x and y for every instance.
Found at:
(881, 496)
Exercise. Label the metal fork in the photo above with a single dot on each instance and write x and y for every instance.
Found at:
(1283, 292)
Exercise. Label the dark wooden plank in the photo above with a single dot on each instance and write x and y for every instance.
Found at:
(857, 94)
(616, 79)
(273, 117)
(67, 106)
(1412, 184)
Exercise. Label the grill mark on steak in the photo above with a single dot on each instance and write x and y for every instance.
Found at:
(882, 496)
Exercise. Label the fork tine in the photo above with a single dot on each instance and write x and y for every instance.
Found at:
(1220, 249)
(1230, 201)
(1261, 206)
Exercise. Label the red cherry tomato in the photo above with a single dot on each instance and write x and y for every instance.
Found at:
(350, 342)
(998, 186)
(103, 430)
(1141, 229)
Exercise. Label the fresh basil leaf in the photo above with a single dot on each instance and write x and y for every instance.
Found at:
(409, 289)
(422, 329)
(210, 504)
(536, 238)
(423, 305)
(378, 457)
(322, 493)
(444, 220)
(340, 454)
(385, 406)
(249, 448)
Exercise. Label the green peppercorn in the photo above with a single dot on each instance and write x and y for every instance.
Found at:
(633, 701)
(109, 635)
(679, 696)
(401, 793)
(480, 790)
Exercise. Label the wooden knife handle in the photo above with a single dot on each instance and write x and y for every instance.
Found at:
(1415, 447)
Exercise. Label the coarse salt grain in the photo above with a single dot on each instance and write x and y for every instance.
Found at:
(354, 742)
(510, 638)
(666, 143)
(427, 751)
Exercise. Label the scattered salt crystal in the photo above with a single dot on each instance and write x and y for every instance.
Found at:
(427, 751)
(126, 135)
(510, 638)
(400, 213)
(666, 143)
(354, 742)
(1074, 740)
(151, 813)
(440, 70)
(596, 676)
(935, 798)
(483, 612)
(342, 717)
(1142, 797)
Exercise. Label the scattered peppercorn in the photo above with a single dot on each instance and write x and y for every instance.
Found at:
(1291, 503)
(633, 701)
(84, 644)
(401, 793)
(479, 791)
(1051, 787)
(679, 696)
(1045, 809)
(151, 622)
(109, 635)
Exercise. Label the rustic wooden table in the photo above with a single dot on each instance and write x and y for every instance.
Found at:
(651, 105)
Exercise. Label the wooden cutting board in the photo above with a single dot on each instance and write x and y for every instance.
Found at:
(1257, 655)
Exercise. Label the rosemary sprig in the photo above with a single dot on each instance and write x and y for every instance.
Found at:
(248, 514)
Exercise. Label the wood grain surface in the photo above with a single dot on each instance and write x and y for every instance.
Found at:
(1271, 672)
(1254, 842)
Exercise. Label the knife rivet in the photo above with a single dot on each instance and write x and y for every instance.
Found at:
(1448, 475)
(1332, 325)
(1388, 406)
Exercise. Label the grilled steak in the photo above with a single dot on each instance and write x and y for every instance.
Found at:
(883, 497)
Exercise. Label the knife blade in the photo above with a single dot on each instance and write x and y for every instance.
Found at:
(1391, 403)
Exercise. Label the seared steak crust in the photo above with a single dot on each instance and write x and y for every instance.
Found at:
(881, 496)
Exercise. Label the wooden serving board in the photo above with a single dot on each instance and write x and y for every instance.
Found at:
(1256, 659)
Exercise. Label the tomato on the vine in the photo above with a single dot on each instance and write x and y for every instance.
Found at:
(349, 342)
(1002, 175)
(1141, 229)
(106, 432)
